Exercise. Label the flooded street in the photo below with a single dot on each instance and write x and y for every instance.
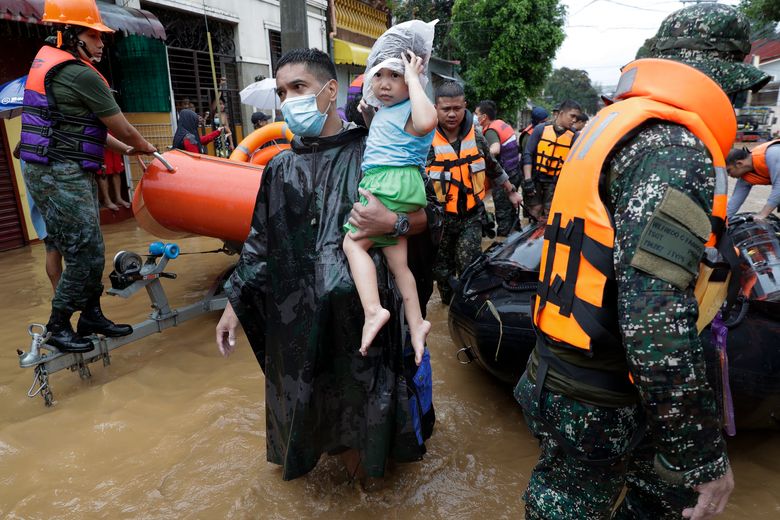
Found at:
(172, 430)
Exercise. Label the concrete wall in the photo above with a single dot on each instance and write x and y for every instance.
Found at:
(253, 20)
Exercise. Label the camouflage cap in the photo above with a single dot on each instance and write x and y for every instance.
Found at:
(715, 39)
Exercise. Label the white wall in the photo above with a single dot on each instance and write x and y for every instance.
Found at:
(253, 19)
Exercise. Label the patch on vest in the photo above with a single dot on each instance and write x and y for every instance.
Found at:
(672, 243)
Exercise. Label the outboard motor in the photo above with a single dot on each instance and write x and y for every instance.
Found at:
(759, 247)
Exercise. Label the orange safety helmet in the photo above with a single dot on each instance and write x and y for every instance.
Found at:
(82, 13)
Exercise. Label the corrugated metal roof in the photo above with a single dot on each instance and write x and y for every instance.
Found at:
(768, 49)
(125, 19)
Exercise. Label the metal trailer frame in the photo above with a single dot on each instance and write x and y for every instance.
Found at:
(161, 318)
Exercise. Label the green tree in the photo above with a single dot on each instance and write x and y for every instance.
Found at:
(764, 10)
(427, 10)
(565, 83)
(506, 47)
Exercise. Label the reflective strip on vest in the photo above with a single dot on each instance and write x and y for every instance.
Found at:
(577, 270)
(457, 176)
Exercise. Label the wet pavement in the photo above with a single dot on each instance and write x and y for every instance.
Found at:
(172, 430)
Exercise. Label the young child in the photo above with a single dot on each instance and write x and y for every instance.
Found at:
(400, 135)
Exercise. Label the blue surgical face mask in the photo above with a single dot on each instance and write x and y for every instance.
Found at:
(302, 115)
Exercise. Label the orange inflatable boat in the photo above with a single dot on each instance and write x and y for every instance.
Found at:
(205, 195)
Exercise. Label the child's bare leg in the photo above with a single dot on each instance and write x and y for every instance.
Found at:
(116, 183)
(418, 327)
(364, 274)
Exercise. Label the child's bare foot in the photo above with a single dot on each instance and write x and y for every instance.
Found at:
(123, 202)
(419, 333)
(373, 323)
(112, 206)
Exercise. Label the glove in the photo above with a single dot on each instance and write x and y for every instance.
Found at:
(529, 188)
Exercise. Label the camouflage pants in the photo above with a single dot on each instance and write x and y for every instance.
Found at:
(66, 196)
(506, 214)
(563, 487)
(461, 241)
(543, 197)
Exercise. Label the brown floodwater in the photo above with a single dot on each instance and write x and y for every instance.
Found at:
(172, 430)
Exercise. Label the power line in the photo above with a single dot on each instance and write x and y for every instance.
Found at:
(635, 6)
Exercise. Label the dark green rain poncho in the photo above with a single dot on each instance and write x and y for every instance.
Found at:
(294, 296)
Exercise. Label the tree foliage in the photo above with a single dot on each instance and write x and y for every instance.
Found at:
(764, 10)
(427, 10)
(565, 83)
(506, 47)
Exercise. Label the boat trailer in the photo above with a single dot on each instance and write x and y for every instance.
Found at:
(131, 273)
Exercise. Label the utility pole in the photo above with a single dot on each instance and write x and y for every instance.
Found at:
(295, 32)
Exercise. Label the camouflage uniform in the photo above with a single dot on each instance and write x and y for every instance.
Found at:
(652, 312)
(682, 445)
(506, 214)
(66, 196)
(461, 239)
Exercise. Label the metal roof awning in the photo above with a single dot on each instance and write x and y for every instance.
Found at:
(348, 53)
(131, 21)
(445, 77)
(124, 19)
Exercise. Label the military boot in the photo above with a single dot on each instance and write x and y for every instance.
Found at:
(62, 335)
(92, 321)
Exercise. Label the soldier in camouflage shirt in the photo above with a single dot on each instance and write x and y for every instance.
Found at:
(680, 466)
(461, 237)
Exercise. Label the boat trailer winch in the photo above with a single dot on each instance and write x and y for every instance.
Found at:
(130, 274)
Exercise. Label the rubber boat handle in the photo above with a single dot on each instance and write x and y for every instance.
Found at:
(159, 157)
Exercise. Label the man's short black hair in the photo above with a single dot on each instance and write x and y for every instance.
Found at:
(569, 104)
(582, 117)
(737, 154)
(489, 108)
(448, 89)
(316, 62)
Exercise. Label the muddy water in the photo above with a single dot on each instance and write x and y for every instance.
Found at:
(172, 430)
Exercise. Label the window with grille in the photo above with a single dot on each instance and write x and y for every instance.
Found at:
(275, 46)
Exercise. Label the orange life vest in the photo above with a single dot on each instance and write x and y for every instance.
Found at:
(760, 173)
(577, 270)
(454, 173)
(47, 59)
(552, 151)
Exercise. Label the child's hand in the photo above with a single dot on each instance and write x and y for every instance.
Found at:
(413, 66)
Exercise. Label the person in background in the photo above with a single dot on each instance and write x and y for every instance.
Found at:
(259, 120)
(580, 123)
(538, 116)
(53, 256)
(187, 137)
(223, 145)
(544, 155)
(109, 180)
(758, 167)
(503, 145)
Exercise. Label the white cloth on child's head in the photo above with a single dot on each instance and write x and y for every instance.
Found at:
(414, 35)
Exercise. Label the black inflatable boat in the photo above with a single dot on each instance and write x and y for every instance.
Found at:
(490, 318)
